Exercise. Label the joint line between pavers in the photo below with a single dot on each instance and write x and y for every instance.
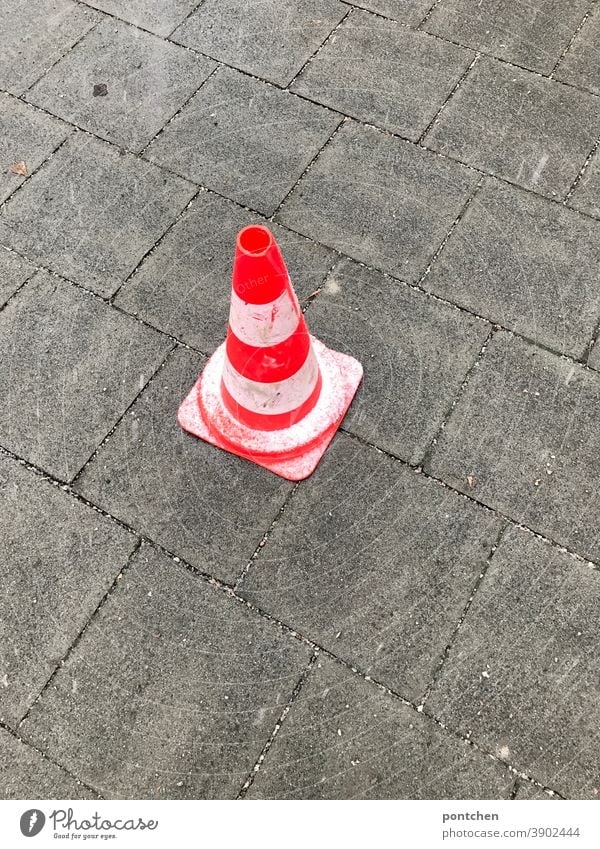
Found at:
(319, 48)
(35, 170)
(315, 294)
(108, 435)
(580, 174)
(478, 581)
(266, 536)
(79, 636)
(294, 695)
(51, 760)
(445, 418)
(456, 87)
(282, 626)
(187, 17)
(428, 14)
(60, 58)
(179, 111)
(18, 289)
(571, 40)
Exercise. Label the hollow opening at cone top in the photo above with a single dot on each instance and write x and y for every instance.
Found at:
(254, 240)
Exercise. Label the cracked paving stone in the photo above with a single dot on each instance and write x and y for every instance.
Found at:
(379, 199)
(272, 41)
(526, 263)
(531, 131)
(26, 135)
(184, 285)
(14, 271)
(586, 196)
(25, 774)
(532, 33)
(406, 11)
(415, 352)
(155, 15)
(524, 439)
(380, 573)
(173, 690)
(580, 65)
(123, 205)
(346, 739)
(35, 34)
(205, 505)
(70, 367)
(147, 81)
(521, 677)
(59, 559)
(384, 73)
(244, 139)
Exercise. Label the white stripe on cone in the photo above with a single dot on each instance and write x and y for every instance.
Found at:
(272, 398)
(263, 325)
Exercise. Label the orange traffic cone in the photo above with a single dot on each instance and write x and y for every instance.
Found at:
(271, 392)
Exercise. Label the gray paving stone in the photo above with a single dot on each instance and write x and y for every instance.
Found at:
(59, 558)
(184, 286)
(205, 505)
(272, 41)
(25, 774)
(380, 200)
(415, 352)
(35, 34)
(586, 196)
(91, 214)
(526, 263)
(244, 139)
(524, 439)
(70, 366)
(375, 563)
(173, 690)
(384, 73)
(14, 271)
(527, 790)
(346, 739)
(147, 79)
(26, 135)
(522, 674)
(513, 124)
(594, 358)
(155, 15)
(532, 33)
(580, 65)
(407, 11)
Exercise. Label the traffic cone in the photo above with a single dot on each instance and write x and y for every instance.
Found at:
(271, 393)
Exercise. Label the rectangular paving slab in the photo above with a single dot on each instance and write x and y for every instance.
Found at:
(35, 34)
(270, 40)
(526, 263)
(580, 65)
(204, 504)
(25, 774)
(524, 439)
(146, 79)
(384, 73)
(378, 199)
(513, 124)
(154, 15)
(123, 207)
(60, 557)
(532, 33)
(172, 692)
(522, 675)
(374, 562)
(407, 11)
(26, 136)
(71, 365)
(414, 349)
(346, 739)
(184, 285)
(14, 271)
(245, 139)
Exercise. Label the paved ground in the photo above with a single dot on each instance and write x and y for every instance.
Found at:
(418, 619)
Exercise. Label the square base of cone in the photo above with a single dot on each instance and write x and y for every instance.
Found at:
(294, 468)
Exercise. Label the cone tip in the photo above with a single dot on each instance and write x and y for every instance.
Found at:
(255, 240)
